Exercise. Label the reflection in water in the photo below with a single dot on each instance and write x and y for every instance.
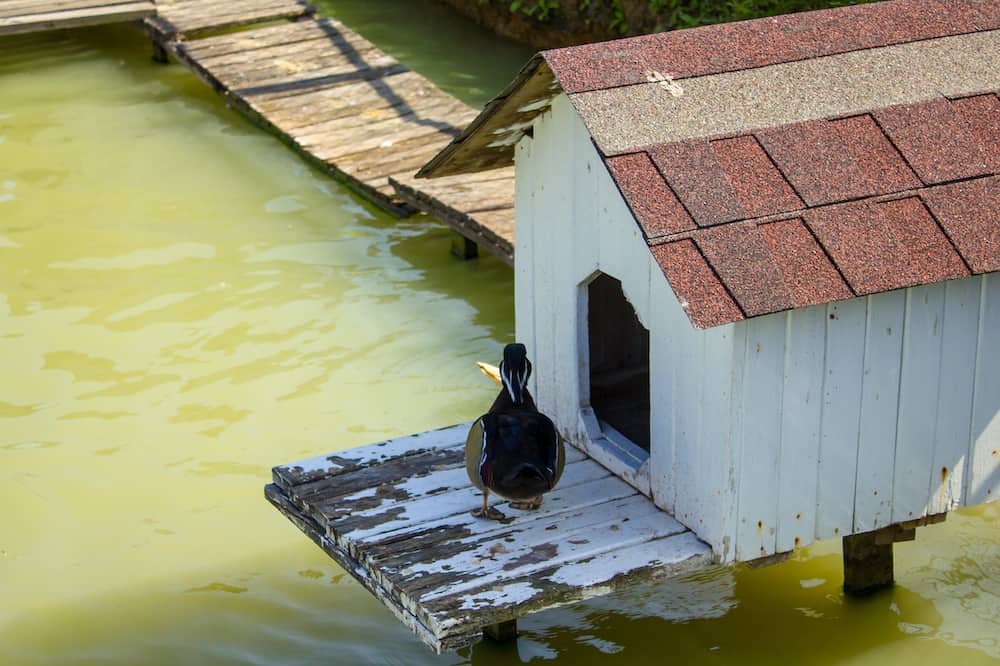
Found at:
(183, 304)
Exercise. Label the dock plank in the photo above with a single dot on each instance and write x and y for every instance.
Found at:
(396, 515)
(186, 18)
(41, 16)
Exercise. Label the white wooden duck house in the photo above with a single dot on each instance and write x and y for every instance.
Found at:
(757, 274)
(757, 264)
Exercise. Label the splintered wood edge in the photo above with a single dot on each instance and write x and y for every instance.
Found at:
(309, 527)
(333, 464)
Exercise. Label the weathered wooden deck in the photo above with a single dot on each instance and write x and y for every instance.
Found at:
(346, 106)
(396, 515)
(23, 16)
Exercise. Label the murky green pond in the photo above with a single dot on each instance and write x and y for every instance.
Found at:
(183, 304)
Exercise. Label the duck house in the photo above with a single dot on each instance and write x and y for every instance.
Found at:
(756, 269)
(757, 264)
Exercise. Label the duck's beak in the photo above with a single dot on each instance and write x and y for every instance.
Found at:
(491, 371)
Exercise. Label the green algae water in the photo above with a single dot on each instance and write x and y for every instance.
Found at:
(184, 304)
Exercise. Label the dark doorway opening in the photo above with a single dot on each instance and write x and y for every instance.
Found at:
(619, 361)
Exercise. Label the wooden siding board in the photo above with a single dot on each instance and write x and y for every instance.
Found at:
(953, 427)
(918, 400)
(525, 246)
(801, 409)
(845, 336)
(984, 452)
(563, 326)
(760, 436)
(669, 324)
(689, 465)
(720, 363)
(550, 202)
(879, 407)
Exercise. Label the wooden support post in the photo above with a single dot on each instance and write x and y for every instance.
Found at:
(159, 53)
(502, 632)
(867, 564)
(463, 248)
(868, 556)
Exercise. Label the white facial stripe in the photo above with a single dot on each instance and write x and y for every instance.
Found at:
(507, 381)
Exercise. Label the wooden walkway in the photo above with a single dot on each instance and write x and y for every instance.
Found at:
(396, 515)
(23, 16)
(348, 107)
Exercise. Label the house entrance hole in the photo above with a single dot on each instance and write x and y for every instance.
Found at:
(619, 361)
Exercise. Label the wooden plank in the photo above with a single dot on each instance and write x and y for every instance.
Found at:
(261, 37)
(383, 475)
(918, 400)
(392, 123)
(838, 456)
(10, 8)
(76, 18)
(760, 437)
(540, 544)
(801, 406)
(319, 467)
(879, 410)
(364, 96)
(367, 504)
(559, 585)
(984, 451)
(189, 19)
(953, 426)
(583, 482)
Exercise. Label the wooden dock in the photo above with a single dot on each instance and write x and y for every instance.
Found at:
(396, 515)
(346, 106)
(23, 16)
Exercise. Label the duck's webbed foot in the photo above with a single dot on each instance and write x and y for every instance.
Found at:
(490, 512)
(527, 505)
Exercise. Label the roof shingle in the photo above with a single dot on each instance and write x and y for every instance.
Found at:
(880, 246)
(652, 202)
(946, 140)
(703, 297)
(837, 160)
(969, 212)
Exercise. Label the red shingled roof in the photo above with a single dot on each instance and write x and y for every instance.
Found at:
(730, 47)
(752, 197)
(809, 212)
(814, 212)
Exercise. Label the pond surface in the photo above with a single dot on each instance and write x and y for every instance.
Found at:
(184, 304)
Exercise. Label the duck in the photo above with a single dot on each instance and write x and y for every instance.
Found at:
(513, 450)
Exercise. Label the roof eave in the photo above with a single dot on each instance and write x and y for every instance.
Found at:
(488, 142)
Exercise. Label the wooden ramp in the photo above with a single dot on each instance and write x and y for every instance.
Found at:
(348, 107)
(23, 16)
(396, 515)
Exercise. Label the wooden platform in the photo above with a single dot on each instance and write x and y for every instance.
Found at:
(348, 107)
(23, 16)
(396, 515)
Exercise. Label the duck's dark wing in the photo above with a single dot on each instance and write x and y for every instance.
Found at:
(520, 458)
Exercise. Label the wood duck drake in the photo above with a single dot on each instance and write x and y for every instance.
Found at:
(513, 450)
